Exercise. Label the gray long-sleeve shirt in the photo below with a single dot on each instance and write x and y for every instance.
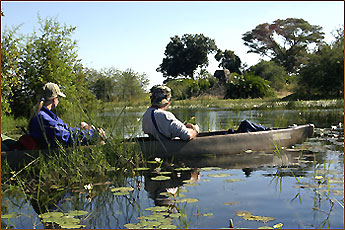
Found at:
(167, 124)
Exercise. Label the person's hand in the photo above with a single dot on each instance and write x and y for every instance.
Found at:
(101, 133)
(84, 125)
(195, 127)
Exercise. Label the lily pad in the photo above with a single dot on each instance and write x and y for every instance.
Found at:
(159, 178)
(207, 214)
(183, 169)
(280, 225)
(70, 226)
(122, 189)
(165, 173)
(50, 215)
(120, 193)
(131, 226)
(168, 226)
(157, 209)
(220, 175)
(175, 215)
(265, 227)
(231, 203)
(210, 168)
(233, 180)
(243, 213)
(258, 218)
(191, 185)
(188, 200)
(141, 169)
(9, 215)
(50, 220)
(77, 213)
(67, 220)
(152, 162)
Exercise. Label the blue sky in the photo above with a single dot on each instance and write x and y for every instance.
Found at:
(134, 34)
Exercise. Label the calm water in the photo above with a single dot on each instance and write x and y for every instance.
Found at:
(301, 188)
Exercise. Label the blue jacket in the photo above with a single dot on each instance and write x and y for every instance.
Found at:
(46, 127)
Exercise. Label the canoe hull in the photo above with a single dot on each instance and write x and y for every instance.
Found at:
(218, 143)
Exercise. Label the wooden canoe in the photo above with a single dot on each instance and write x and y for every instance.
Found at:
(219, 142)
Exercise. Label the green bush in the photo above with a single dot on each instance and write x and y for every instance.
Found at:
(272, 72)
(247, 86)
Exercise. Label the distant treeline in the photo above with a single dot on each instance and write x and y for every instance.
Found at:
(50, 55)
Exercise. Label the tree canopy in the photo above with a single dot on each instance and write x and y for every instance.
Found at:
(323, 74)
(184, 55)
(228, 60)
(285, 41)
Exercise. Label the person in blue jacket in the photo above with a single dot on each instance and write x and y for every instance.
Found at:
(47, 128)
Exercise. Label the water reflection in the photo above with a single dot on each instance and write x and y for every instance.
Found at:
(301, 187)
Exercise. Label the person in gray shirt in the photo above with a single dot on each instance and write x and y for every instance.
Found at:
(162, 124)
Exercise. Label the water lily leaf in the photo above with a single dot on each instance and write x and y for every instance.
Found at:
(151, 224)
(191, 185)
(141, 169)
(122, 189)
(258, 218)
(77, 213)
(165, 173)
(243, 213)
(50, 215)
(51, 220)
(175, 215)
(67, 220)
(69, 226)
(188, 200)
(167, 226)
(233, 180)
(231, 203)
(183, 190)
(183, 169)
(120, 193)
(205, 180)
(207, 214)
(210, 168)
(280, 225)
(220, 175)
(9, 215)
(265, 227)
(160, 178)
(165, 194)
(157, 209)
(152, 162)
(131, 226)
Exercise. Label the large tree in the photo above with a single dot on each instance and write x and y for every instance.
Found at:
(228, 60)
(184, 55)
(50, 55)
(323, 74)
(285, 41)
(10, 66)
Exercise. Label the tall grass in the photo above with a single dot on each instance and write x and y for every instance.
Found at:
(47, 177)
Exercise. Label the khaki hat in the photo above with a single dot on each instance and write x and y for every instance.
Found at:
(160, 95)
(52, 90)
